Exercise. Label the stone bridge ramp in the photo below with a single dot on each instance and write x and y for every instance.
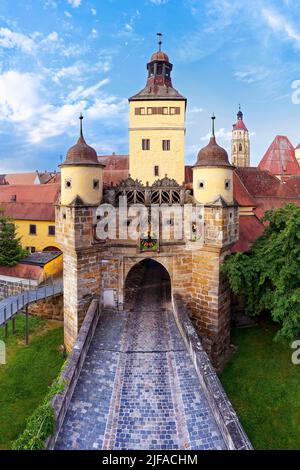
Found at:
(138, 388)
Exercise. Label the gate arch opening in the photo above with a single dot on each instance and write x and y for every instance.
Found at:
(146, 274)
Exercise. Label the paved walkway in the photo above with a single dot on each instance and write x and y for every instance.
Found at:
(138, 388)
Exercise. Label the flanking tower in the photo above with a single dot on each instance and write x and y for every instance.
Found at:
(240, 143)
(81, 194)
(157, 125)
(213, 187)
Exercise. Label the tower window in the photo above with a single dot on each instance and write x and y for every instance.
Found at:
(95, 184)
(166, 145)
(227, 184)
(51, 230)
(165, 110)
(201, 184)
(32, 229)
(139, 111)
(145, 144)
(68, 184)
(175, 110)
(240, 148)
(156, 170)
(149, 110)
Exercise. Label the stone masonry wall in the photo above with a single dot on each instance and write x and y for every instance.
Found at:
(51, 308)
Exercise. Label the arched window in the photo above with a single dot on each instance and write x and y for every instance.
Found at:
(240, 148)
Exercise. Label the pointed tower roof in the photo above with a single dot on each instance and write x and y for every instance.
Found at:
(239, 125)
(159, 82)
(81, 153)
(280, 158)
(212, 154)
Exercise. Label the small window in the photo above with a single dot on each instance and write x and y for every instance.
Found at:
(166, 145)
(165, 110)
(145, 144)
(32, 249)
(13, 198)
(201, 184)
(240, 148)
(96, 184)
(68, 184)
(227, 184)
(156, 170)
(149, 110)
(172, 110)
(32, 229)
(51, 230)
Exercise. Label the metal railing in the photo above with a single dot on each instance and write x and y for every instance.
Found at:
(10, 306)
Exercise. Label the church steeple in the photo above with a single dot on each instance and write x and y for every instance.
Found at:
(240, 143)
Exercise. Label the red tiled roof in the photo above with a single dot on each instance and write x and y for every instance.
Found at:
(239, 125)
(21, 178)
(116, 168)
(267, 203)
(32, 202)
(250, 228)
(280, 158)
(293, 183)
(23, 271)
(262, 183)
(188, 174)
(240, 193)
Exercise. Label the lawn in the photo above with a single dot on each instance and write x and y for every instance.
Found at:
(29, 371)
(264, 387)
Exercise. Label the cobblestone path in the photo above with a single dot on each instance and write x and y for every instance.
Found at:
(138, 388)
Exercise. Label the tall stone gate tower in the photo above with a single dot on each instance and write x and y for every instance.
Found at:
(81, 194)
(240, 143)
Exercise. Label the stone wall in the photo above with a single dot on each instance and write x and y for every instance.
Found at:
(51, 308)
(8, 288)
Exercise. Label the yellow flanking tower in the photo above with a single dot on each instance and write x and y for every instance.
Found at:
(157, 126)
(81, 194)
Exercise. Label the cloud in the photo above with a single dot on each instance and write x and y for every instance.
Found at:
(67, 14)
(74, 3)
(280, 24)
(94, 33)
(159, 2)
(94, 11)
(10, 39)
(24, 104)
(75, 70)
(221, 134)
(253, 75)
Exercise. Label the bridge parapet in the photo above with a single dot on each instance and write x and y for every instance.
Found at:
(225, 416)
(71, 372)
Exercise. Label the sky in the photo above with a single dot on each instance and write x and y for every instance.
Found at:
(62, 57)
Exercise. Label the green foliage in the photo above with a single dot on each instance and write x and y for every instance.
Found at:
(41, 424)
(11, 250)
(269, 275)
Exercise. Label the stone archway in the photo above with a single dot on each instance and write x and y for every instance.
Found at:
(137, 278)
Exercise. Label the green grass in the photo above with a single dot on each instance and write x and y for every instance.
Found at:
(29, 371)
(264, 388)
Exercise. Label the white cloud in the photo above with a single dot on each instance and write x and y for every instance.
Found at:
(84, 93)
(159, 2)
(221, 134)
(24, 104)
(74, 3)
(10, 39)
(196, 110)
(94, 11)
(280, 24)
(252, 75)
(94, 33)
(75, 70)
(67, 14)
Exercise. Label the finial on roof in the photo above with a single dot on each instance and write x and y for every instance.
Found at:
(81, 119)
(213, 125)
(240, 114)
(159, 36)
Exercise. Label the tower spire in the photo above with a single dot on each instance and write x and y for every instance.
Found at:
(159, 36)
(213, 125)
(81, 119)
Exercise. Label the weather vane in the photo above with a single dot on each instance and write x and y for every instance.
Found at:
(159, 35)
(81, 119)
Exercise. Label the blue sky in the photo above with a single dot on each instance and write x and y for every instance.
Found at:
(60, 57)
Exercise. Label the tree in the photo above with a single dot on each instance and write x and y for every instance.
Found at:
(269, 275)
(11, 250)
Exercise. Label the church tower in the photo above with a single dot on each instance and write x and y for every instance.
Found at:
(240, 143)
(157, 125)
